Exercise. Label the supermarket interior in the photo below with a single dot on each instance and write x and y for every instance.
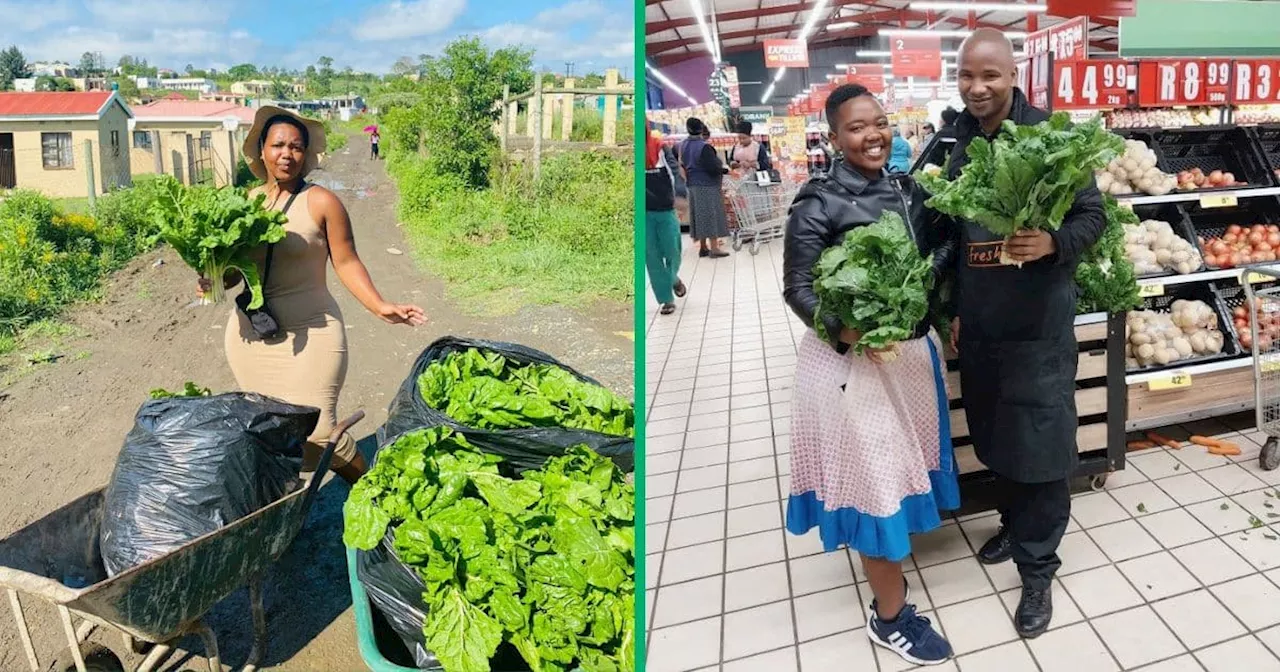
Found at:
(1171, 555)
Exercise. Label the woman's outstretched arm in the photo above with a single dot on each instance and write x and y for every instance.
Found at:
(328, 209)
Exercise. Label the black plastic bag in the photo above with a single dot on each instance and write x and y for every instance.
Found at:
(192, 465)
(394, 588)
(522, 449)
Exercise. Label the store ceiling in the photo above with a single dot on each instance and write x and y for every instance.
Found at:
(672, 34)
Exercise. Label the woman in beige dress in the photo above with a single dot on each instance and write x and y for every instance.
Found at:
(307, 364)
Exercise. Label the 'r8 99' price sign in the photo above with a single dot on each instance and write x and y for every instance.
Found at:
(1094, 84)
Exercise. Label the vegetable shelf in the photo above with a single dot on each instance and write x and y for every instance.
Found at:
(1229, 149)
(1194, 353)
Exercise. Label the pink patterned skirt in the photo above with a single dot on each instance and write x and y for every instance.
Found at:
(871, 455)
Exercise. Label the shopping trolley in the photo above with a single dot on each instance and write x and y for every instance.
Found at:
(761, 212)
(1264, 302)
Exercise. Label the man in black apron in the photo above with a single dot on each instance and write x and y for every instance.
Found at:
(1016, 338)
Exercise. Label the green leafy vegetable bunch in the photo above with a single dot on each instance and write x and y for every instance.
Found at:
(1028, 177)
(1105, 275)
(488, 391)
(190, 389)
(214, 229)
(544, 562)
(876, 282)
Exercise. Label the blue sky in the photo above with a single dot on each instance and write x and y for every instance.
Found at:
(363, 34)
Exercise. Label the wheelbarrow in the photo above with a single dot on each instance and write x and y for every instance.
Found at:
(159, 601)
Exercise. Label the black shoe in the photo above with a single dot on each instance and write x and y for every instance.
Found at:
(997, 549)
(667, 308)
(1035, 610)
(704, 252)
(719, 254)
(680, 289)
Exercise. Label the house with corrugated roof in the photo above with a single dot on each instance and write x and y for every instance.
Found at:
(61, 142)
(198, 142)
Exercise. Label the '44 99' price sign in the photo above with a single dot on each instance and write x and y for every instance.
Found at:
(1085, 85)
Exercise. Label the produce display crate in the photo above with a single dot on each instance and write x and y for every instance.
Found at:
(1268, 139)
(1213, 222)
(1193, 292)
(1209, 148)
(1232, 296)
(1181, 224)
(1100, 404)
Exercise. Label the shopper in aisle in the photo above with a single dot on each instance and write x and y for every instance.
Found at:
(949, 117)
(928, 135)
(900, 160)
(748, 154)
(871, 453)
(1016, 340)
(703, 173)
(662, 229)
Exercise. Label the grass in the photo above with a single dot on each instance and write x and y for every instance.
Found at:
(588, 126)
(567, 241)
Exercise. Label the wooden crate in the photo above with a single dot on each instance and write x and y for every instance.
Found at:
(1207, 390)
(1088, 437)
(1088, 402)
(1091, 365)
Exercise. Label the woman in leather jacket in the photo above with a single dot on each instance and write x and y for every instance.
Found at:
(871, 453)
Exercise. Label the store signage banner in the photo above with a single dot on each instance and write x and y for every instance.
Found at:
(759, 117)
(1166, 83)
(731, 83)
(1092, 7)
(786, 54)
(1085, 85)
(870, 76)
(916, 57)
(1067, 41)
(1039, 69)
(1193, 28)
(1255, 81)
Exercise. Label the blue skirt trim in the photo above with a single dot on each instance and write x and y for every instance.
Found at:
(887, 537)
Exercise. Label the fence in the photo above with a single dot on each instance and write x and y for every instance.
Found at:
(541, 107)
(78, 167)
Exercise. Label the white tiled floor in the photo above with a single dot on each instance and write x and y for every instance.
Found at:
(1163, 571)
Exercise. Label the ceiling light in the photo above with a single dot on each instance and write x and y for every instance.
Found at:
(813, 18)
(712, 47)
(977, 6)
(767, 93)
(843, 25)
(923, 32)
(777, 76)
(668, 83)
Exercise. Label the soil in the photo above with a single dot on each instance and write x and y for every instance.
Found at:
(68, 418)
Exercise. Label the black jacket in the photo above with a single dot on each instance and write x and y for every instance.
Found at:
(829, 206)
(659, 188)
(1018, 349)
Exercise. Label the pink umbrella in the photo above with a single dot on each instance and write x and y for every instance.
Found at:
(370, 129)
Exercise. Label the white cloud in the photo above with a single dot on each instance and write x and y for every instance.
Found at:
(403, 19)
(149, 13)
(19, 19)
(171, 47)
(575, 11)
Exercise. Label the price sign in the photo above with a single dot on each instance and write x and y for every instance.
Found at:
(1184, 82)
(1270, 366)
(1172, 381)
(1218, 201)
(1084, 85)
(1024, 75)
(1255, 81)
(1147, 291)
(1066, 41)
(1251, 278)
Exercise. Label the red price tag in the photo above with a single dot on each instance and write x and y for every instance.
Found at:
(1024, 76)
(1256, 81)
(1065, 40)
(1217, 81)
(1091, 84)
(871, 77)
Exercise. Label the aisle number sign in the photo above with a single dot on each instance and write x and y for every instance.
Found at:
(870, 76)
(1083, 85)
(1164, 83)
(1172, 381)
(916, 57)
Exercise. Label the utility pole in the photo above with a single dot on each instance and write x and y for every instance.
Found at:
(568, 69)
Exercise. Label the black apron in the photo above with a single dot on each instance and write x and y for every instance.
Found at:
(1018, 350)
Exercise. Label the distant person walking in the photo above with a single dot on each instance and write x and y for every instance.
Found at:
(373, 145)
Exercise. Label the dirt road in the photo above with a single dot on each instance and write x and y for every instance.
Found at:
(66, 421)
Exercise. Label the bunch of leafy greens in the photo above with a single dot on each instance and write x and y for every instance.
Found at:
(545, 562)
(488, 391)
(1105, 275)
(875, 282)
(1028, 177)
(214, 229)
(190, 389)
